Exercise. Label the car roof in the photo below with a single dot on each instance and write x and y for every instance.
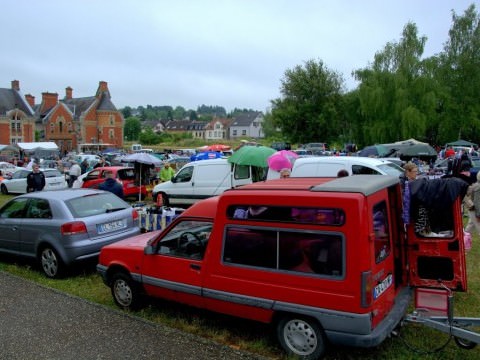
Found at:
(112, 168)
(340, 159)
(66, 194)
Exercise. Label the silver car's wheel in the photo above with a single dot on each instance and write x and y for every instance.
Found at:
(124, 291)
(301, 336)
(50, 262)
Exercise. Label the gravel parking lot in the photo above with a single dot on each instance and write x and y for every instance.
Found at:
(41, 323)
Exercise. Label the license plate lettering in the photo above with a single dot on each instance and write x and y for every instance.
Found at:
(383, 286)
(111, 226)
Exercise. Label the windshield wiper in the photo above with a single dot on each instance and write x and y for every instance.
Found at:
(114, 209)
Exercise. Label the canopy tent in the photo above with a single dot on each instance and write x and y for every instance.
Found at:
(33, 146)
(411, 148)
(461, 142)
(43, 150)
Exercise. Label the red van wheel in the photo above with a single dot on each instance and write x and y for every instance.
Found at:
(301, 336)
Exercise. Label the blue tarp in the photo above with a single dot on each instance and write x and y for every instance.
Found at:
(206, 155)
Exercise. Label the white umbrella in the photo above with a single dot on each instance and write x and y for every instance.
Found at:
(142, 158)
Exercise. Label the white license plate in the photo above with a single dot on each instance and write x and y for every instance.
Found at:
(383, 286)
(111, 226)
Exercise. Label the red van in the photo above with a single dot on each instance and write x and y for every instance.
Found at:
(326, 260)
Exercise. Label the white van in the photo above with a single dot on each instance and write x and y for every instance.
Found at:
(329, 166)
(202, 179)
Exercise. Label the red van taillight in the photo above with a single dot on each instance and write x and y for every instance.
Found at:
(134, 214)
(73, 228)
(366, 289)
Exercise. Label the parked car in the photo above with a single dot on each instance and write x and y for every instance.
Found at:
(59, 228)
(17, 182)
(8, 168)
(202, 179)
(322, 259)
(329, 166)
(125, 174)
(316, 147)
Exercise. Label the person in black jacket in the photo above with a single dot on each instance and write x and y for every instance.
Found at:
(36, 179)
(112, 185)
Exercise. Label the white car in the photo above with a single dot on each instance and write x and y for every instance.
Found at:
(8, 168)
(17, 182)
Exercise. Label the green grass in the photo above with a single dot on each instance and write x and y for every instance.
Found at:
(414, 342)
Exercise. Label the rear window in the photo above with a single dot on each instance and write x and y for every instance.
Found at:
(95, 204)
(52, 173)
(304, 215)
(382, 231)
(126, 174)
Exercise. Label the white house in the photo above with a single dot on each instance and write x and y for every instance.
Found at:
(247, 125)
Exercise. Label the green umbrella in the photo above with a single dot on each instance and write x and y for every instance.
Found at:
(252, 155)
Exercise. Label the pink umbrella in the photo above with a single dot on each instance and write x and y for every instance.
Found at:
(281, 159)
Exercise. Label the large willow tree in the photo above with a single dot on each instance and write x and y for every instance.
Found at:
(459, 75)
(396, 93)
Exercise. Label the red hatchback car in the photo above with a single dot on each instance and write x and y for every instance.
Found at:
(126, 176)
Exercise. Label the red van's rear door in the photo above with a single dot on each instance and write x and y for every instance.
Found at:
(436, 258)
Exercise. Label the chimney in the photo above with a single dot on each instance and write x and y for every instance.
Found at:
(68, 93)
(30, 99)
(49, 100)
(102, 89)
(16, 85)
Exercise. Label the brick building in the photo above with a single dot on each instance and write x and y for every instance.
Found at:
(69, 122)
(17, 119)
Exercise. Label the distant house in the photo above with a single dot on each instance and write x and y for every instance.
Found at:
(247, 125)
(17, 119)
(177, 126)
(217, 129)
(196, 128)
(157, 125)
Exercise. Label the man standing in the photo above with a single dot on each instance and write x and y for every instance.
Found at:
(167, 172)
(74, 173)
(36, 179)
(112, 185)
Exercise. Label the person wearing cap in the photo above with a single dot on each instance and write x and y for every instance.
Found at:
(167, 172)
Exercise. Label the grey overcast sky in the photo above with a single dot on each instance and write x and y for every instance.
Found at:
(231, 53)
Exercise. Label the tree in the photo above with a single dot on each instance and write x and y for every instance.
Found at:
(397, 93)
(459, 74)
(127, 112)
(132, 128)
(310, 107)
(148, 137)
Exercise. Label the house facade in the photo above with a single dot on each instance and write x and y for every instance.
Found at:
(217, 129)
(247, 125)
(69, 122)
(17, 119)
(195, 128)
